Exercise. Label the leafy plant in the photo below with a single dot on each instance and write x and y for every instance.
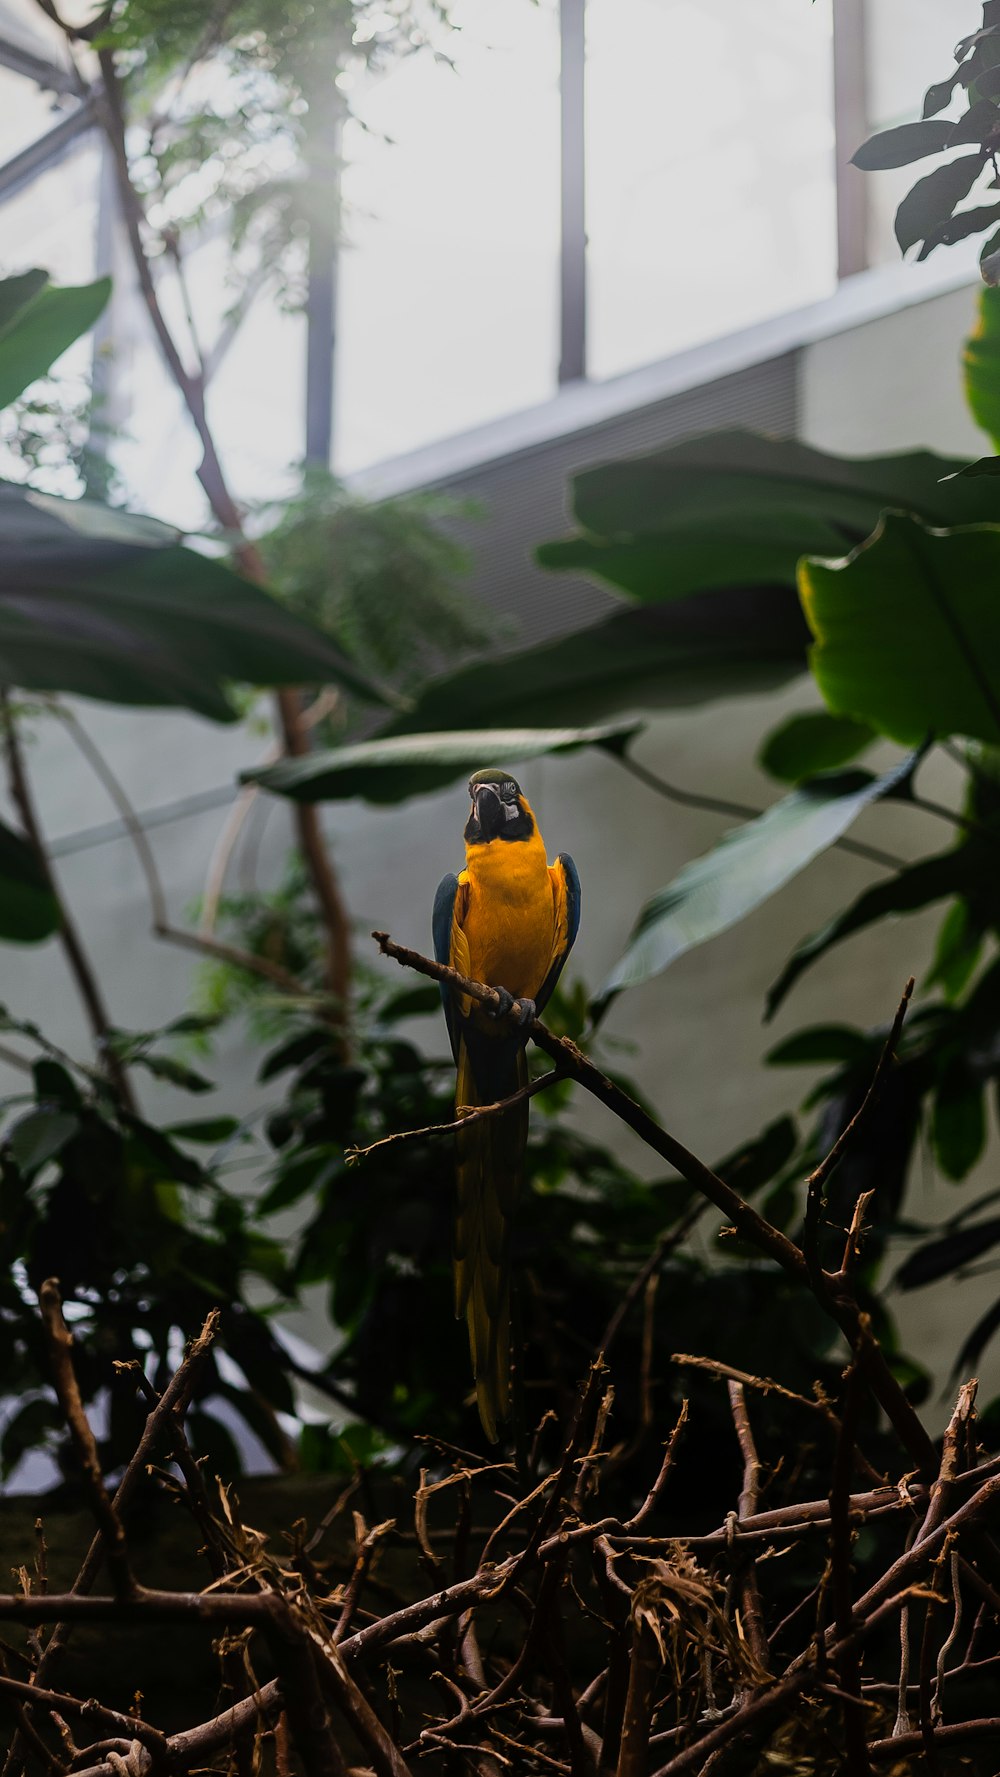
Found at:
(929, 213)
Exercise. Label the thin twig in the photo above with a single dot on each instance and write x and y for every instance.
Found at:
(67, 1389)
(473, 1114)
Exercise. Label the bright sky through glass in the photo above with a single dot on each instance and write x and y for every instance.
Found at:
(710, 205)
(710, 196)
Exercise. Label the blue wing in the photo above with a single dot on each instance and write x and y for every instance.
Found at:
(571, 925)
(444, 908)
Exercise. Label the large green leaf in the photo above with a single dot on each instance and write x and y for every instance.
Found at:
(38, 321)
(981, 365)
(918, 886)
(717, 644)
(907, 630)
(28, 908)
(100, 603)
(393, 769)
(735, 509)
(811, 742)
(747, 866)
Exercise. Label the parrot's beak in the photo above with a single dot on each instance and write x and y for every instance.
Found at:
(487, 811)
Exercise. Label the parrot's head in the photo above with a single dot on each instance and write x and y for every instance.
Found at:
(499, 809)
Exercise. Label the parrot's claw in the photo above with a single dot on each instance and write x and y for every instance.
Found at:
(526, 1011)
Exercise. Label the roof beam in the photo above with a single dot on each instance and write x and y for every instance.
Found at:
(46, 74)
(47, 151)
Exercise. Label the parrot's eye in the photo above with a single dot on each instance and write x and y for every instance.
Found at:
(509, 792)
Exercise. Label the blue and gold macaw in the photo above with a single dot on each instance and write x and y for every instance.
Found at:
(508, 920)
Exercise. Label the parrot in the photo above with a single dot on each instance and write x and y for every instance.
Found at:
(509, 919)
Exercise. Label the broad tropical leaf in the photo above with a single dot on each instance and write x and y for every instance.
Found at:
(28, 908)
(748, 865)
(734, 510)
(919, 885)
(38, 321)
(907, 631)
(717, 644)
(413, 765)
(107, 605)
(812, 742)
(981, 365)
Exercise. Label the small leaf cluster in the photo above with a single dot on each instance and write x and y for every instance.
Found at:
(929, 213)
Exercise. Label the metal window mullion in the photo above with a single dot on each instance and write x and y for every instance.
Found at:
(573, 212)
(850, 117)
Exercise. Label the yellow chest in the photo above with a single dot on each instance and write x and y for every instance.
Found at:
(509, 920)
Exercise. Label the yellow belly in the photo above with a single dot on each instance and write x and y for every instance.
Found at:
(509, 922)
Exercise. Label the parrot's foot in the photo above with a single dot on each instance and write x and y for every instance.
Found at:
(526, 1010)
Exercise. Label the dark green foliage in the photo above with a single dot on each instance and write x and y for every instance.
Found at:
(385, 578)
(37, 323)
(144, 1236)
(810, 743)
(747, 866)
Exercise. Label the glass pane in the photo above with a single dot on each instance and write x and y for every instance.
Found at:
(52, 222)
(449, 280)
(710, 179)
(256, 393)
(25, 113)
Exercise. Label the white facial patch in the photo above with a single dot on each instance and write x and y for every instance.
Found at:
(511, 811)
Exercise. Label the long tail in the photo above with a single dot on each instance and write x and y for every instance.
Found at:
(490, 1169)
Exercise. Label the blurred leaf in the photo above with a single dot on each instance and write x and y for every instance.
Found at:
(738, 641)
(734, 509)
(295, 1050)
(931, 201)
(907, 631)
(416, 1002)
(97, 602)
(208, 1131)
(898, 147)
(177, 1073)
(938, 96)
(38, 321)
(958, 949)
(29, 910)
(959, 227)
(414, 765)
(17, 292)
(26, 1429)
(213, 1440)
(940, 1257)
(307, 1172)
(757, 1162)
(919, 885)
(53, 1082)
(958, 1120)
(977, 124)
(821, 1045)
(747, 866)
(816, 741)
(38, 1137)
(978, 1339)
(981, 366)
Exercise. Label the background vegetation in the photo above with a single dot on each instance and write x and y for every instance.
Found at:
(741, 562)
